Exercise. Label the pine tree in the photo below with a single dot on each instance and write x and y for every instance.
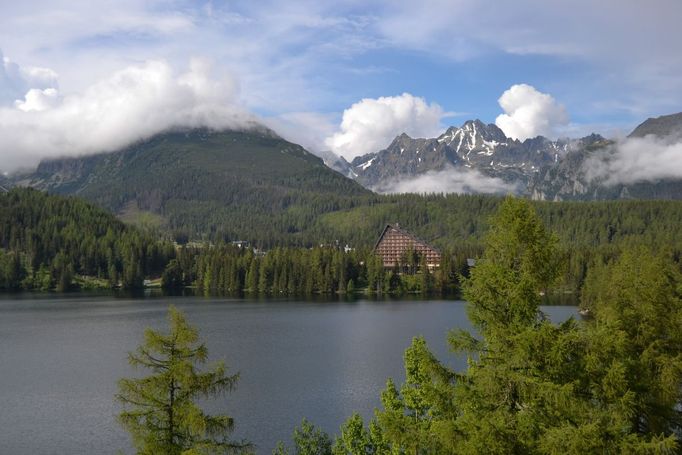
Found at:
(308, 440)
(252, 276)
(160, 410)
(521, 259)
(172, 276)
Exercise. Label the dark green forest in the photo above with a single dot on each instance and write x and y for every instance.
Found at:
(611, 383)
(53, 242)
(227, 269)
(590, 233)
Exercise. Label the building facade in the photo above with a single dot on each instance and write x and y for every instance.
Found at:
(394, 243)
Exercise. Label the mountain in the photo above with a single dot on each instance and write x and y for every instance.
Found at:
(243, 185)
(474, 145)
(338, 163)
(467, 157)
(663, 126)
(574, 176)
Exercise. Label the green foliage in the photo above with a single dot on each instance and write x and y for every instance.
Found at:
(420, 407)
(230, 185)
(609, 384)
(12, 272)
(519, 261)
(635, 361)
(172, 277)
(587, 232)
(354, 438)
(38, 227)
(296, 271)
(308, 440)
(160, 410)
(50, 240)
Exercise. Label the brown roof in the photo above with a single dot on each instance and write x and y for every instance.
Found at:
(416, 239)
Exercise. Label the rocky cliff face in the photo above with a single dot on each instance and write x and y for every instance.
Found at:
(574, 177)
(538, 167)
(472, 146)
(669, 126)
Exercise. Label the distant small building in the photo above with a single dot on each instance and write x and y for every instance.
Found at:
(240, 243)
(394, 243)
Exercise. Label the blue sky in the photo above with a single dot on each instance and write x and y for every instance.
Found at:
(299, 65)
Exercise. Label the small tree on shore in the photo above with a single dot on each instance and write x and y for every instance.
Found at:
(160, 410)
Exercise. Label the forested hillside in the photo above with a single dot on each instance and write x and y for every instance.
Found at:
(51, 242)
(46, 240)
(209, 185)
(252, 185)
(588, 231)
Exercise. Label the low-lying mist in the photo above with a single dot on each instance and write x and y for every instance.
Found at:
(449, 180)
(636, 159)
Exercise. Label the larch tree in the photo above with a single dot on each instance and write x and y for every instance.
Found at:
(160, 410)
(308, 440)
(608, 384)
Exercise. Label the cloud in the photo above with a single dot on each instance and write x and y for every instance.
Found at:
(38, 100)
(370, 124)
(300, 55)
(130, 105)
(311, 56)
(296, 55)
(635, 160)
(450, 180)
(15, 81)
(308, 129)
(529, 113)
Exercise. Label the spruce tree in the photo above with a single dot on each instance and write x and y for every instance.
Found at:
(160, 410)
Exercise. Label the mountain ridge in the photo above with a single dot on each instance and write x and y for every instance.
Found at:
(539, 168)
(220, 184)
(216, 182)
(474, 145)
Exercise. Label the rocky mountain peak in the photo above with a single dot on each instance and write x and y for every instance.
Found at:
(662, 127)
(538, 166)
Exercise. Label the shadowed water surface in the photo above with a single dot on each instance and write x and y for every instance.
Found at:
(60, 358)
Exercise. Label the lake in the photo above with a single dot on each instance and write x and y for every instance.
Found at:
(61, 355)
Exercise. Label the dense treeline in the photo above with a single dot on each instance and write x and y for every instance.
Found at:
(46, 241)
(51, 242)
(590, 233)
(609, 384)
(300, 271)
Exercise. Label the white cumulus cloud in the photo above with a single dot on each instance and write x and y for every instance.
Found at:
(38, 100)
(449, 180)
(131, 104)
(15, 80)
(529, 113)
(370, 124)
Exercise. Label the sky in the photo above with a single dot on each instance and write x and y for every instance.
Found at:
(80, 77)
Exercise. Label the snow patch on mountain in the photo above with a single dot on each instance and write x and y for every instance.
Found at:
(366, 164)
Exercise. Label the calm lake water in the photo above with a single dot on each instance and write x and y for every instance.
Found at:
(60, 358)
